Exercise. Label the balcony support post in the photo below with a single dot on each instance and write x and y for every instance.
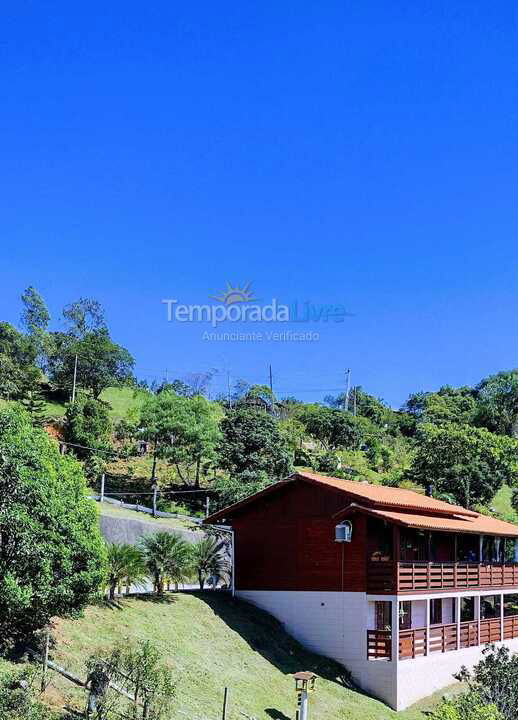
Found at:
(427, 627)
(502, 616)
(477, 616)
(395, 629)
(457, 618)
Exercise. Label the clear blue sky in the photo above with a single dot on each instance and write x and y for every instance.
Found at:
(356, 153)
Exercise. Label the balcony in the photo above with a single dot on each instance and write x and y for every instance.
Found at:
(385, 577)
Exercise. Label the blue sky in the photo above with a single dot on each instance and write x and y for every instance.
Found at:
(356, 153)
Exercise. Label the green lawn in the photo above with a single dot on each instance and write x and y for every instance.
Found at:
(212, 641)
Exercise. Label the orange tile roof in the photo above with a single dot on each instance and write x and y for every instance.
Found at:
(387, 496)
(480, 525)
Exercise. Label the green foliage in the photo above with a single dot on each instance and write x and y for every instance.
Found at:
(167, 557)
(52, 559)
(35, 319)
(185, 430)
(34, 404)
(126, 566)
(101, 363)
(333, 429)
(468, 463)
(447, 405)
(494, 681)
(468, 706)
(87, 423)
(252, 451)
(210, 561)
(84, 316)
(18, 372)
(498, 403)
(137, 667)
(17, 697)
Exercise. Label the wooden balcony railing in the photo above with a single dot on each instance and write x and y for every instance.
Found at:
(442, 638)
(379, 644)
(389, 577)
(469, 634)
(412, 643)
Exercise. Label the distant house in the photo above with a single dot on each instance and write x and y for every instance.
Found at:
(402, 589)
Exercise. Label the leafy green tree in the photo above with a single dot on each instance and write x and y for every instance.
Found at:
(18, 371)
(497, 396)
(209, 560)
(493, 682)
(34, 403)
(87, 423)
(101, 363)
(184, 431)
(84, 316)
(35, 319)
(167, 557)
(333, 429)
(253, 451)
(447, 405)
(126, 566)
(470, 464)
(52, 558)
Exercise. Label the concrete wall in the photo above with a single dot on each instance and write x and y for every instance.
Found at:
(126, 530)
(333, 624)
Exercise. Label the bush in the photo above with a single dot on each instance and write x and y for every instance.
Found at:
(17, 700)
(469, 706)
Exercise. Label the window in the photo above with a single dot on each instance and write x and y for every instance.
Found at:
(436, 611)
(467, 609)
(489, 607)
(510, 605)
(383, 615)
(405, 615)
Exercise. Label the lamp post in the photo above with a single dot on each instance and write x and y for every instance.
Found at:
(304, 684)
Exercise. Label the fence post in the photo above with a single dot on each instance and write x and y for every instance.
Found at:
(102, 487)
(225, 699)
(45, 662)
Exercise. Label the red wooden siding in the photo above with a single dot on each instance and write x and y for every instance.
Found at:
(285, 541)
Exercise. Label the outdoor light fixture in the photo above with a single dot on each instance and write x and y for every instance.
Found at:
(304, 684)
(344, 532)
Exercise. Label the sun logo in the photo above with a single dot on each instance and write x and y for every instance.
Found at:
(234, 295)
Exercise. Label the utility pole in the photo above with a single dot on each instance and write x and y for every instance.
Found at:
(155, 492)
(75, 380)
(348, 388)
(102, 487)
(45, 662)
(228, 391)
(354, 402)
(207, 506)
(271, 388)
(225, 702)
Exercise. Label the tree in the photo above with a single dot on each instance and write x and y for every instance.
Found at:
(468, 706)
(84, 316)
(101, 363)
(252, 451)
(167, 558)
(35, 318)
(18, 371)
(447, 405)
(497, 396)
(52, 557)
(493, 681)
(34, 403)
(184, 431)
(126, 566)
(469, 463)
(209, 560)
(333, 429)
(87, 423)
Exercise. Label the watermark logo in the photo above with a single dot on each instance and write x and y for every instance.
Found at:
(237, 304)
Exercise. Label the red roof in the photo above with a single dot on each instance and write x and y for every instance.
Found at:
(398, 505)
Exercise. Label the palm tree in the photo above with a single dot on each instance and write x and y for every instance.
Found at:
(136, 570)
(209, 561)
(123, 565)
(167, 557)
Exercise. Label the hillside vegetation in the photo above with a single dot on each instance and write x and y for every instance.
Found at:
(212, 641)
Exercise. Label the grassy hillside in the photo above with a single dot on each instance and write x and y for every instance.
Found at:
(121, 400)
(212, 641)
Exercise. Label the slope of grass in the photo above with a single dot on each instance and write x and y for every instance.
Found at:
(212, 641)
(171, 523)
(502, 503)
(121, 400)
